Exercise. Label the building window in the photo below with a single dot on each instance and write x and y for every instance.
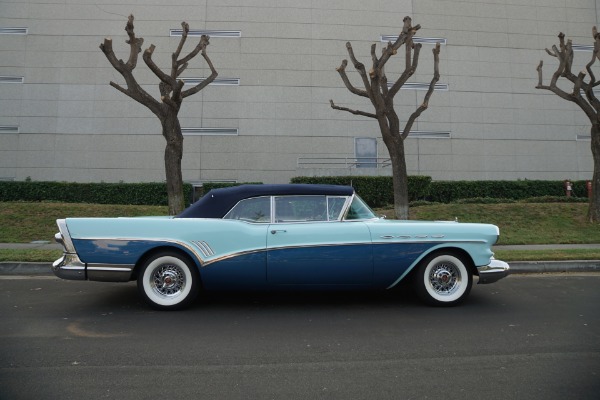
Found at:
(365, 151)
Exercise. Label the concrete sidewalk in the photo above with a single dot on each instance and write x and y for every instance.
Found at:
(516, 267)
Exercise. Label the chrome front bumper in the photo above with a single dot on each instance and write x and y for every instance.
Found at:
(493, 272)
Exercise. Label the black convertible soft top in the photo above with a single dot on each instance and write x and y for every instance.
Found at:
(217, 202)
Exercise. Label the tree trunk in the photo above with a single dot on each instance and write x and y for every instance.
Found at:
(594, 210)
(399, 179)
(173, 156)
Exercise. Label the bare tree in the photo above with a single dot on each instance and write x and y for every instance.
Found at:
(589, 104)
(172, 95)
(381, 95)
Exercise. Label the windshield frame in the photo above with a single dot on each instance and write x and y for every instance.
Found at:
(365, 209)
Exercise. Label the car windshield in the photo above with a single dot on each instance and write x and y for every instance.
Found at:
(359, 210)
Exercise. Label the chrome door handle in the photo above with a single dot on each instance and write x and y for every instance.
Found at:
(274, 231)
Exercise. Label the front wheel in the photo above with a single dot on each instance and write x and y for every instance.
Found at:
(443, 280)
(168, 281)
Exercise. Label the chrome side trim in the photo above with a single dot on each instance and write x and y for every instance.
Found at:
(204, 247)
(420, 240)
(493, 272)
(109, 272)
(187, 246)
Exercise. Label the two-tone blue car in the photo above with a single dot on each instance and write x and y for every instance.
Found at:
(265, 237)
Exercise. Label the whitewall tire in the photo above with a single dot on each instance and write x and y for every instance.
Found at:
(443, 279)
(168, 281)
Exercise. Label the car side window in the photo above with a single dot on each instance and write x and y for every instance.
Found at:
(256, 209)
(300, 208)
(335, 206)
(359, 210)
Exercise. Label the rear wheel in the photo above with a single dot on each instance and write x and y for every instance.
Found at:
(168, 281)
(443, 279)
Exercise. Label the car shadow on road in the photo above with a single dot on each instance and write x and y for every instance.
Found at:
(126, 297)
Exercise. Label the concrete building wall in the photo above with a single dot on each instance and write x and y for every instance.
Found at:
(65, 122)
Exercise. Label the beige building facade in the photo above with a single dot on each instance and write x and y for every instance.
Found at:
(267, 118)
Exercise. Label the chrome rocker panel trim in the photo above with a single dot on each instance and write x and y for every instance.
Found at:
(494, 271)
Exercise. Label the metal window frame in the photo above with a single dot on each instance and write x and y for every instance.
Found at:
(10, 129)
(419, 134)
(416, 39)
(12, 79)
(216, 82)
(177, 32)
(443, 87)
(14, 30)
(198, 131)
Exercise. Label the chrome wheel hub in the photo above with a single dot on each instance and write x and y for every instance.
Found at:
(444, 278)
(168, 280)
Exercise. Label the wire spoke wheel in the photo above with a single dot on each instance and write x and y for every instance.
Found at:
(443, 280)
(168, 281)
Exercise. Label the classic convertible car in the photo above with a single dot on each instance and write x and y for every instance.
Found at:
(278, 237)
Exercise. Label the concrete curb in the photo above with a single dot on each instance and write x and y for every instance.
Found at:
(25, 268)
(516, 267)
(525, 267)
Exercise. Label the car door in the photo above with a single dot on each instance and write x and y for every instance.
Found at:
(305, 247)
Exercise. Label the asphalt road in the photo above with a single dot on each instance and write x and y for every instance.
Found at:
(525, 337)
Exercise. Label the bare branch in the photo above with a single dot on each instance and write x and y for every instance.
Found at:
(407, 31)
(425, 104)
(408, 72)
(360, 67)
(120, 88)
(595, 55)
(539, 70)
(134, 90)
(574, 96)
(135, 45)
(107, 49)
(355, 112)
(342, 71)
(204, 41)
(374, 56)
(578, 83)
(206, 81)
(154, 68)
(184, 34)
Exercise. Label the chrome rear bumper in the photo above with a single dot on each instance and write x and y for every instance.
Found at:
(70, 267)
(493, 272)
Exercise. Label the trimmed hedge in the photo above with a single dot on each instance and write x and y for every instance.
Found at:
(375, 190)
(449, 191)
(99, 193)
